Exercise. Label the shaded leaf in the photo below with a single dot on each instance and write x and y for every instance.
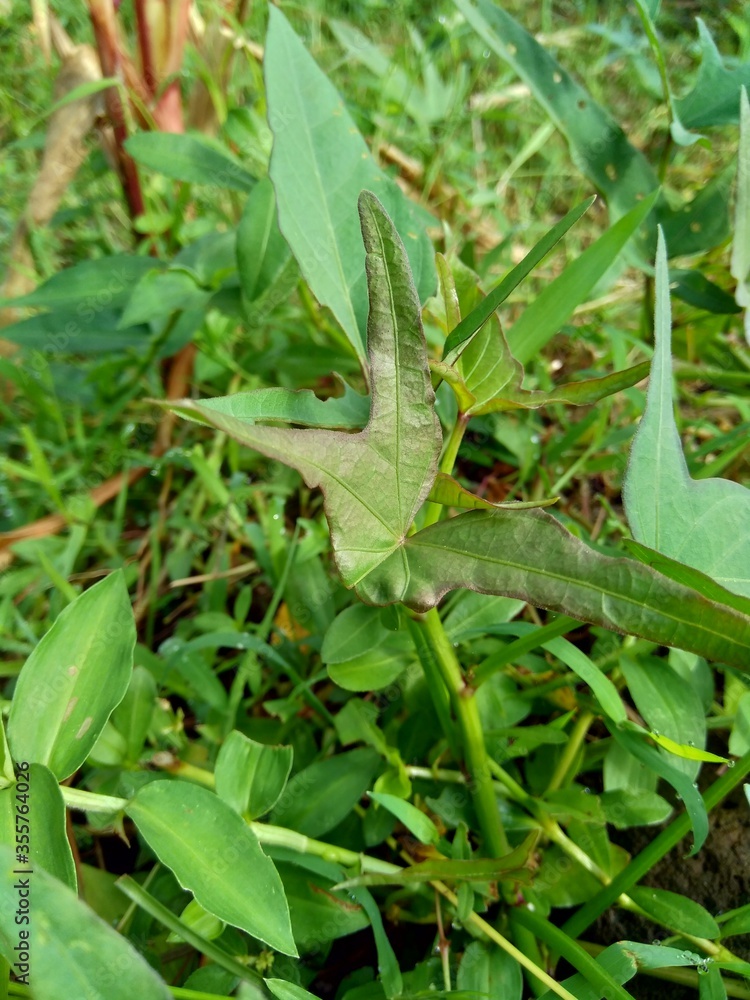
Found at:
(488, 970)
(319, 914)
(38, 832)
(191, 158)
(72, 945)
(680, 781)
(323, 794)
(262, 252)
(457, 338)
(91, 285)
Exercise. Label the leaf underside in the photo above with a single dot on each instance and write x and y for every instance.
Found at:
(375, 480)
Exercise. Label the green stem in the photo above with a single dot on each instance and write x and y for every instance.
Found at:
(569, 754)
(659, 846)
(433, 511)
(475, 752)
(280, 837)
(578, 957)
(208, 948)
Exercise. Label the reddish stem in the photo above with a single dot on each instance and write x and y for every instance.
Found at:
(107, 41)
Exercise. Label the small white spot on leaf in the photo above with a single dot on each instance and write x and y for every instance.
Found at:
(85, 726)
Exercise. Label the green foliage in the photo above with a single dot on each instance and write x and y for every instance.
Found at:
(384, 710)
(667, 509)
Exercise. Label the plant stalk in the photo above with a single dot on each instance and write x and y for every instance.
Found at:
(466, 712)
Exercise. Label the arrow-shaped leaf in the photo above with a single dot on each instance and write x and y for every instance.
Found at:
(704, 523)
(375, 480)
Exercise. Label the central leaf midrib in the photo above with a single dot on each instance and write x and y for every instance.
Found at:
(583, 584)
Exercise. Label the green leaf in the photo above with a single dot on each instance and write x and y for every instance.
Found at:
(676, 912)
(739, 738)
(160, 293)
(75, 677)
(490, 971)
(319, 797)
(680, 781)
(355, 630)
(69, 331)
(415, 821)
(669, 705)
(687, 751)
(191, 158)
(319, 165)
(398, 448)
(458, 337)
(91, 285)
(688, 576)
(695, 288)
(283, 990)
(450, 493)
(622, 961)
(71, 945)
(679, 133)
(704, 523)
(32, 817)
(262, 252)
(216, 856)
(372, 670)
(715, 96)
(388, 967)
(624, 808)
(521, 554)
(512, 865)
(735, 922)
(319, 914)
(544, 316)
(711, 985)
(7, 773)
(251, 776)
(132, 717)
(347, 412)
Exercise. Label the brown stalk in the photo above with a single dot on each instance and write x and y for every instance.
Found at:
(110, 55)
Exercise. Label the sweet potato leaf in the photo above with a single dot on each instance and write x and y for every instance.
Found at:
(703, 523)
(374, 482)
